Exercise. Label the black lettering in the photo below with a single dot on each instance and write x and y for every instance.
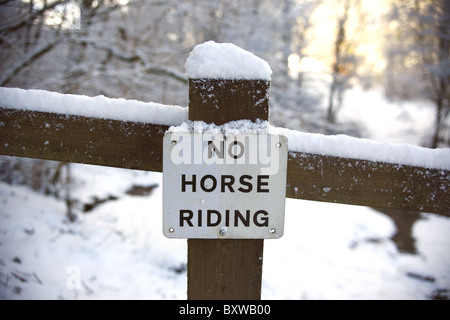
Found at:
(261, 183)
(227, 181)
(184, 183)
(209, 214)
(199, 218)
(208, 183)
(203, 183)
(241, 151)
(214, 218)
(243, 182)
(264, 221)
(212, 147)
(238, 216)
(187, 218)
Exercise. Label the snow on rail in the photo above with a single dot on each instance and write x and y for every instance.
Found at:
(364, 149)
(336, 145)
(131, 110)
(96, 107)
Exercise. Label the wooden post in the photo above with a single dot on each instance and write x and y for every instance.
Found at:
(226, 269)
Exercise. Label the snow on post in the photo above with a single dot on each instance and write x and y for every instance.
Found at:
(212, 60)
(227, 83)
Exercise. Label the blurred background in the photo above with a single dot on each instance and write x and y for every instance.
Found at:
(318, 50)
(373, 69)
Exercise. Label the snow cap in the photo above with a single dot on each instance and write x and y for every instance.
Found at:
(211, 60)
(97, 107)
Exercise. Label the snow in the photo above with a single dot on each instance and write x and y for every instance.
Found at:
(232, 127)
(332, 145)
(132, 110)
(211, 60)
(98, 107)
(118, 251)
(364, 149)
(389, 121)
(120, 242)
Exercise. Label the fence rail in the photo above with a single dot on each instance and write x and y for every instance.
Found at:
(217, 268)
(79, 139)
(136, 145)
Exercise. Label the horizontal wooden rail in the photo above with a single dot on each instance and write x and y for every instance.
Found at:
(368, 183)
(71, 138)
(136, 145)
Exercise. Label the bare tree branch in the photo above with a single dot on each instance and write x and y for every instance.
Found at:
(28, 18)
(136, 58)
(166, 72)
(26, 61)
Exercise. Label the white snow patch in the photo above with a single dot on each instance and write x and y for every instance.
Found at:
(212, 60)
(97, 107)
(433, 246)
(118, 251)
(390, 121)
(336, 145)
(365, 149)
(232, 127)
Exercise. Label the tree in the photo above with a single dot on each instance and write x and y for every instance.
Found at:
(436, 58)
(137, 49)
(345, 59)
(21, 39)
(420, 49)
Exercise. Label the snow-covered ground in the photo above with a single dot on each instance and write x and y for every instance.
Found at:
(118, 251)
(395, 122)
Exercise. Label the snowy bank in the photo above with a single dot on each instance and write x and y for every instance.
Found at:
(118, 251)
(97, 107)
(212, 60)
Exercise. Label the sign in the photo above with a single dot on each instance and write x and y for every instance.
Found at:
(224, 185)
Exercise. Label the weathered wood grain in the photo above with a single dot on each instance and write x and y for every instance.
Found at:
(72, 138)
(226, 269)
(135, 145)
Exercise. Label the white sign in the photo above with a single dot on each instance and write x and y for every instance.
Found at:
(224, 186)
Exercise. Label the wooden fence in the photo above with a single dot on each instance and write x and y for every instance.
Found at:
(223, 269)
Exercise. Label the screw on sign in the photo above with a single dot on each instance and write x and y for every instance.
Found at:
(230, 268)
(224, 185)
(231, 174)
